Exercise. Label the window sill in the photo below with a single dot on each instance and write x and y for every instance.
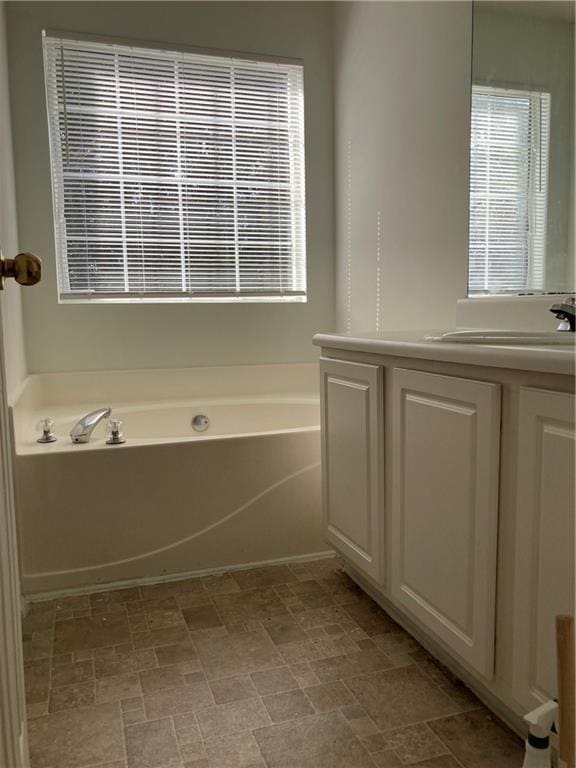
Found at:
(118, 299)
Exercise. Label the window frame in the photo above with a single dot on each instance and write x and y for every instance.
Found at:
(167, 296)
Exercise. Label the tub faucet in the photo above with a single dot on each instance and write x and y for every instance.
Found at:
(81, 432)
(565, 311)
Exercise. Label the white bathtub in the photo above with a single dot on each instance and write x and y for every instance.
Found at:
(170, 500)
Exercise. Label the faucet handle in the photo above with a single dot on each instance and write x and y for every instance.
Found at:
(46, 429)
(565, 311)
(115, 432)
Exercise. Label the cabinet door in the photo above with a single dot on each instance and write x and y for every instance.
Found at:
(544, 558)
(351, 461)
(444, 517)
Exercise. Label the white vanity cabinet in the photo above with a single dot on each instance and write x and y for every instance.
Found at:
(445, 437)
(449, 477)
(352, 424)
(544, 556)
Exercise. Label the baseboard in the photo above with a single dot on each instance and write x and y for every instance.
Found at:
(511, 718)
(181, 576)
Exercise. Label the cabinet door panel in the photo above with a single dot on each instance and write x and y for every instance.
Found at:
(544, 558)
(351, 444)
(444, 514)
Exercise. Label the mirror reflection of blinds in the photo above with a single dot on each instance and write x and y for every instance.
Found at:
(175, 174)
(509, 151)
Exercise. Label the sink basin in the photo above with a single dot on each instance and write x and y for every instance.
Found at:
(478, 336)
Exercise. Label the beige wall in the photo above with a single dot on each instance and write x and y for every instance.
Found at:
(402, 96)
(85, 337)
(12, 321)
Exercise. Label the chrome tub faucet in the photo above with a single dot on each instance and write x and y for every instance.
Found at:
(82, 430)
(565, 311)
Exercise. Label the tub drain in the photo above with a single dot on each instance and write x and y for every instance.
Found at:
(200, 423)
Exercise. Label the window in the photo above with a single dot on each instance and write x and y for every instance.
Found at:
(176, 176)
(508, 190)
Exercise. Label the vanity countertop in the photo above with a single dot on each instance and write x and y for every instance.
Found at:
(545, 359)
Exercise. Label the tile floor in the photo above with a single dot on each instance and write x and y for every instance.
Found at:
(281, 667)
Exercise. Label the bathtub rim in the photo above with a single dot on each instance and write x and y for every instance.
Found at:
(24, 448)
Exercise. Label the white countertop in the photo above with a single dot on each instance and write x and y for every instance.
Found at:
(545, 359)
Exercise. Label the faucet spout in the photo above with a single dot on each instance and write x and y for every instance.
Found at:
(82, 430)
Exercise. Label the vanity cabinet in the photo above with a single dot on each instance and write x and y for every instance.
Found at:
(352, 424)
(449, 492)
(445, 436)
(544, 564)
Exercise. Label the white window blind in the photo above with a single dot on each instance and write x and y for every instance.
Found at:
(508, 190)
(176, 175)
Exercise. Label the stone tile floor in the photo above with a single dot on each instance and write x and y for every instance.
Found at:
(288, 666)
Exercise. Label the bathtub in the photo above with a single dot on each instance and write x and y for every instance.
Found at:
(170, 501)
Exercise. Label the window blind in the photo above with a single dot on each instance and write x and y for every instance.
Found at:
(508, 190)
(175, 175)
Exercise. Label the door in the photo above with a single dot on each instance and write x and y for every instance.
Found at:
(544, 558)
(352, 461)
(444, 515)
(12, 712)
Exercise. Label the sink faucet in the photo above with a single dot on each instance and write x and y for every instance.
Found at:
(81, 431)
(565, 311)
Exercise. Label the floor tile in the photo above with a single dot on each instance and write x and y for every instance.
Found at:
(251, 604)
(368, 615)
(175, 654)
(320, 741)
(159, 637)
(76, 738)
(237, 654)
(229, 689)
(90, 632)
(234, 751)
(479, 740)
(172, 588)
(284, 629)
(152, 745)
(221, 584)
(264, 577)
(38, 646)
(304, 674)
(124, 661)
(349, 665)
(99, 600)
(77, 672)
(71, 697)
(235, 717)
(415, 743)
(289, 705)
(164, 617)
(274, 680)
(174, 701)
(309, 618)
(386, 759)
(400, 696)
(37, 680)
(201, 617)
(117, 688)
(164, 677)
(329, 696)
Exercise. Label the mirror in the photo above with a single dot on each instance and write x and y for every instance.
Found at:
(521, 236)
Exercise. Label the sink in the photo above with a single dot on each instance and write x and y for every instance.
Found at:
(479, 336)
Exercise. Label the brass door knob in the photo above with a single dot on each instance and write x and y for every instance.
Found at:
(26, 269)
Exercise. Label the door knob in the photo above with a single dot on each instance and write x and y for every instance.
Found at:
(26, 269)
